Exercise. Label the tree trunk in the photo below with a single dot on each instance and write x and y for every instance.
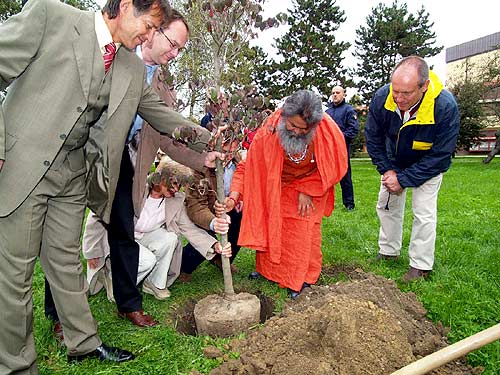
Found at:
(226, 266)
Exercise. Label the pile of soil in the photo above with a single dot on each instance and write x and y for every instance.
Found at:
(364, 326)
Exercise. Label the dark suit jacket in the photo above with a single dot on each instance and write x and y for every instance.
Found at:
(47, 58)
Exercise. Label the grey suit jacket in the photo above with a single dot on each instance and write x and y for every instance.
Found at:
(47, 55)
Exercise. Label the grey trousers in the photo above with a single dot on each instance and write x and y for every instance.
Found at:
(46, 225)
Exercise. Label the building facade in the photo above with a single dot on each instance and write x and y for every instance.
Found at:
(467, 61)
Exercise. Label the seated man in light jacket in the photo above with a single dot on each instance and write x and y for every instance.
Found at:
(162, 221)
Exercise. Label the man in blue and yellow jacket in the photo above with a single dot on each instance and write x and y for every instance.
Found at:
(411, 134)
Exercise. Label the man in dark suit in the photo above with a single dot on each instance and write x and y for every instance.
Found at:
(64, 69)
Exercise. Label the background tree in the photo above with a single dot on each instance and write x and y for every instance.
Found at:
(390, 33)
(310, 57)
(8, 8)
(491, 78)
(82, 4)
(477, 91)
(218, 54)
(468, 94)
(223, 43)
(362, 111)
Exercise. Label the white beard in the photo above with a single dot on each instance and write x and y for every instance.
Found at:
(292, 143)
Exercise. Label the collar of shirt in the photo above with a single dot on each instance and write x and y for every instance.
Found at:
(150, 69)
(407, 115)
(102, 32)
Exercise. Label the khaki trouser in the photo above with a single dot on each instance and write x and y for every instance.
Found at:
(156, 249)
(390, 210)
(47, 225)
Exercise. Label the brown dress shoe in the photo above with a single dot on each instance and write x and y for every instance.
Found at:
(185, 277)
(58, 332)
(139, 318)
(415, 274)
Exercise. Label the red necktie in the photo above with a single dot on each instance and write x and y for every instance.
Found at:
(109, 55)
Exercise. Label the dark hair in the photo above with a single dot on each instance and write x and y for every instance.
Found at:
(418, 63)
(175, 15)
(306, 104)
(112, 7)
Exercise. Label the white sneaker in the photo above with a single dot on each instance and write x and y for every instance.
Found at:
(160, 294)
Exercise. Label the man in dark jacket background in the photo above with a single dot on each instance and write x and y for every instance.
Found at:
(347, 120)
(411, 133)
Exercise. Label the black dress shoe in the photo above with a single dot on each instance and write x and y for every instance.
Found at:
(104, 353)
(254, 275)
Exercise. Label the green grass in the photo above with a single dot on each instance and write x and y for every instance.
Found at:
(463, 292)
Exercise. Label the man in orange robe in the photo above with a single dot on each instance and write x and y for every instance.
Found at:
(287, 186)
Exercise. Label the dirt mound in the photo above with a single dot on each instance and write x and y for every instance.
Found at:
(366, 326)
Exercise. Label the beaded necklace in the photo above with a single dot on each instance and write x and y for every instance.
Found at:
(298, 159)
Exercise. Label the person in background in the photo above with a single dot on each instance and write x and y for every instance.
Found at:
(346, 118)
(411, 133)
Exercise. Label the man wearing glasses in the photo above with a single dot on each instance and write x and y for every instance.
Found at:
(65, 69)
(411, 133)
(140, 150)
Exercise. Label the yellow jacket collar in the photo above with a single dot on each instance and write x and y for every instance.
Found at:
(425, 113)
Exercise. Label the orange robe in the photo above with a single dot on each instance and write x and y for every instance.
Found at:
(288, 246)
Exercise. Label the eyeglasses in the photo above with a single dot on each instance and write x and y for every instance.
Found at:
(173, 44)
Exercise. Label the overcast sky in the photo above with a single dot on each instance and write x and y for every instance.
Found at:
(455, 22)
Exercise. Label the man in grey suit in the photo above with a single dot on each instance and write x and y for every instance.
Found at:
(59, 86)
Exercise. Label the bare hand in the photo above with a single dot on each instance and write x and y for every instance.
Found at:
(221, 224)
(390, 181)
(1, 164)
(93, 263)
(219, 208)
(226, 251)
(211, 157)
(306, 205)
(387, 174)
(231, 201)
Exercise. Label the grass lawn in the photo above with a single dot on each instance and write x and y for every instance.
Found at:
(463, 292)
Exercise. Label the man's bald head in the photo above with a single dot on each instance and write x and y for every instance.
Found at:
(338, 95)
(409, 82)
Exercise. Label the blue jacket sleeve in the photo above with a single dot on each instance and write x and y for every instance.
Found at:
(351, 129)
(438, 160)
